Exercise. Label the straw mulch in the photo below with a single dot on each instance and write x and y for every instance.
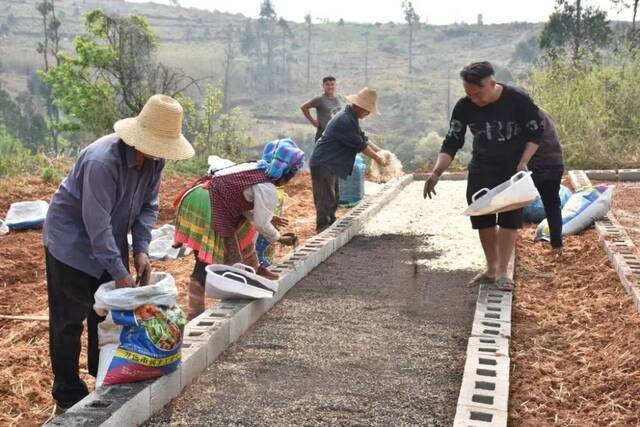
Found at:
(576, 339)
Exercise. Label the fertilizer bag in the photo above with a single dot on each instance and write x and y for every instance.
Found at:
(535, 211)
(141, 337)
(583, 209)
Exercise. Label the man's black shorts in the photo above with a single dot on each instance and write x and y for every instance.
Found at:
(490, 179)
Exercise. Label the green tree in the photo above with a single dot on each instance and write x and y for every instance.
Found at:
(425, 152)
(20, 119)
(574, 29)
(112, 74)
(213, 132)
(527, 51)
(595, 108)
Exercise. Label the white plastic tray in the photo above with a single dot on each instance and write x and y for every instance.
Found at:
(237, 282)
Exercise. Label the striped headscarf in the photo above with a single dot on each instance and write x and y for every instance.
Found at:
(281, 158)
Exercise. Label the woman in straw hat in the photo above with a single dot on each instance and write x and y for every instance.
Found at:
(335, 153)
(220, 216)
(112, 189)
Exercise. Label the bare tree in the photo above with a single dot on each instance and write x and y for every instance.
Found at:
(412, 19)
(366, 34)
(50, 45)
(576, 39)
(285, 36)
(629, 4)
(307, 19)
(229, 57)
(266, 24)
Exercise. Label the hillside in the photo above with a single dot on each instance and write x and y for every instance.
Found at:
(192, 39)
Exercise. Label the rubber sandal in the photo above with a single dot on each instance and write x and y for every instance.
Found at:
(480, 279)
(505, 284)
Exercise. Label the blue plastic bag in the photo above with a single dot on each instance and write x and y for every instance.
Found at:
(352, 188)
(535, 211)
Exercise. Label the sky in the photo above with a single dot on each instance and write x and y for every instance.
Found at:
(435, 12)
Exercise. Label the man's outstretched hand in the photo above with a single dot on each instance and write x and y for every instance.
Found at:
(430, 185)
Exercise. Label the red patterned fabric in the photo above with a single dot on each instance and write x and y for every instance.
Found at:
(227, 200)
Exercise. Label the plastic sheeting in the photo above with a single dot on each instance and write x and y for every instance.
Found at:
(23, 215)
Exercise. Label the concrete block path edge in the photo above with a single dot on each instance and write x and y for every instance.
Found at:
(484, 393)
(209, 334)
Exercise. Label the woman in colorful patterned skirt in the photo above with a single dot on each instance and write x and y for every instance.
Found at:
(221, 215)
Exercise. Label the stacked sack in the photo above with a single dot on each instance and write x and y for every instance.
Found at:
(584, 207)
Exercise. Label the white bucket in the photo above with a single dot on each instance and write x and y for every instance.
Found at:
(518, 192)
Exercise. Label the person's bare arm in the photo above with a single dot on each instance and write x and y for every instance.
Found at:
(371, 153)
(305, 110)
(442, 164)
(529, 151)
(374, 147)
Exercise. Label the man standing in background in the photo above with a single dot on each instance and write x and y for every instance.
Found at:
(326, 105)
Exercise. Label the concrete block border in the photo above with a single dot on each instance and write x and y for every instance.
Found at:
(484, 392)
(622, 252)
(614, 174)
(211, 333)
(447, 176)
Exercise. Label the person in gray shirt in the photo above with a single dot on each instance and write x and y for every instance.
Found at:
(111, 189)
(326, 105)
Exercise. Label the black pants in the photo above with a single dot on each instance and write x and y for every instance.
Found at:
(70, 303)
(548, 186)
(326, 195)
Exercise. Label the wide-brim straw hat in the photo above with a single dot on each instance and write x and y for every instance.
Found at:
(157, 130)
(367, 99)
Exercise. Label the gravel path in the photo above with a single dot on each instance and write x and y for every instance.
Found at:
(376, 335)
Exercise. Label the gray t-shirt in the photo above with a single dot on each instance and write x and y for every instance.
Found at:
(326, 108)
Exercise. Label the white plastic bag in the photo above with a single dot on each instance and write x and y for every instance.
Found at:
(161, 246)
(141, 337)
(583, 208)
(23, 215)
(216, 163)
(4, 229)
(516, 193)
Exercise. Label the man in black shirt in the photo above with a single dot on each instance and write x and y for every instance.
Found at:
(507, 129)
(335, 153)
